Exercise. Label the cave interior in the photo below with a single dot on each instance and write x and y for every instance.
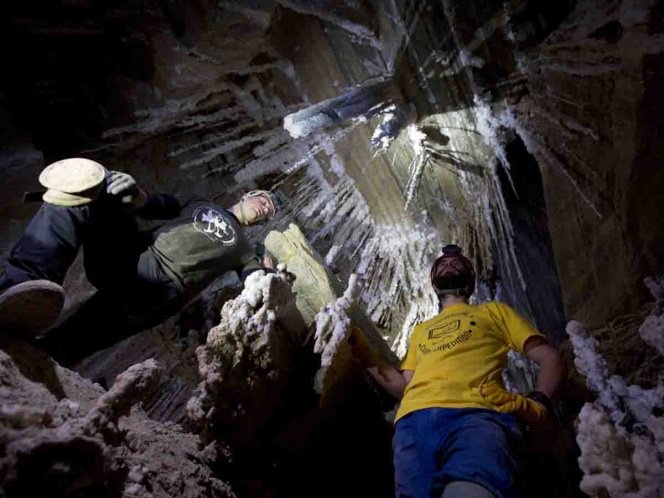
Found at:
(529, 133)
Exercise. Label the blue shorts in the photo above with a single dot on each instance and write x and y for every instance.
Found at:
(435, 446)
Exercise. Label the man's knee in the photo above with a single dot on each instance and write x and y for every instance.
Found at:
(465, 489)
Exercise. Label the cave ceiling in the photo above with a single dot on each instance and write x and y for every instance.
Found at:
(524, 130)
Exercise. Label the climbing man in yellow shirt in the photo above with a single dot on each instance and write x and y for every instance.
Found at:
(457, 426)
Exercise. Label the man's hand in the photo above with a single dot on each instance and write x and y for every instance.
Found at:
(525, 409)
(124, 185)
(387, 376)
(551, 366)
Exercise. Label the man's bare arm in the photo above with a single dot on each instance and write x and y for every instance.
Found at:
(386, 375)
(391, 379)
(551, 366)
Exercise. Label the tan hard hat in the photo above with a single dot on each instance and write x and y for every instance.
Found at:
(73, 175)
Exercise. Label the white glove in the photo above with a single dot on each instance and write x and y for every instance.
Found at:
(123, 184)
(120, 183)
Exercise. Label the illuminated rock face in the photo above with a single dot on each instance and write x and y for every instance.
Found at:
(314, 286)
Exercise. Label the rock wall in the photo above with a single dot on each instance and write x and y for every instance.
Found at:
(590, 119)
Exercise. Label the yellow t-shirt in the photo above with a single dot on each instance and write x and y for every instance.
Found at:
(454, 352)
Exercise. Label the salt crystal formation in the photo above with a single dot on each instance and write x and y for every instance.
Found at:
(615, 462)
(420, 160)
(520, 374)
(621, 435)
(362, 102)
(333, 325)
(95, 444)
(395, 119)
(248, 360)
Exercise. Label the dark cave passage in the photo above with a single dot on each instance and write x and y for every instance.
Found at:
(523, 192)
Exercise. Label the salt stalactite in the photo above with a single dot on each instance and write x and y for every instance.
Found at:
(221, 146)
(361, 102)
(384, 134)
(332, 331)
(420, 310)
(338, 212)
(495, 213)
(391, 261)
(248, 359)
(389, 257)
(334, 213)
(489, 126)
(317, 143)
(421, 158)
(277, 154)
(621, 435)
(395, 119)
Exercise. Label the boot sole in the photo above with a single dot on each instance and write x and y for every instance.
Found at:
(30, 307)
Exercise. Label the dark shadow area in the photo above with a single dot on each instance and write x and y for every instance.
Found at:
(48, 471)
(549, 456)
(340, 449)
(522, 190)
(68, 63)
(646, 187)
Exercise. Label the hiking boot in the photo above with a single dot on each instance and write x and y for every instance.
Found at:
(30, 307)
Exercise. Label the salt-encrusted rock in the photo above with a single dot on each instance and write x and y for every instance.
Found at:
(615, 462)
(248, 359)
(621, 435)
(91, 442)
(656, 287)
(333, 328)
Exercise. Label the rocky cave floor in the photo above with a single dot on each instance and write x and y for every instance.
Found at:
(64, 436)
